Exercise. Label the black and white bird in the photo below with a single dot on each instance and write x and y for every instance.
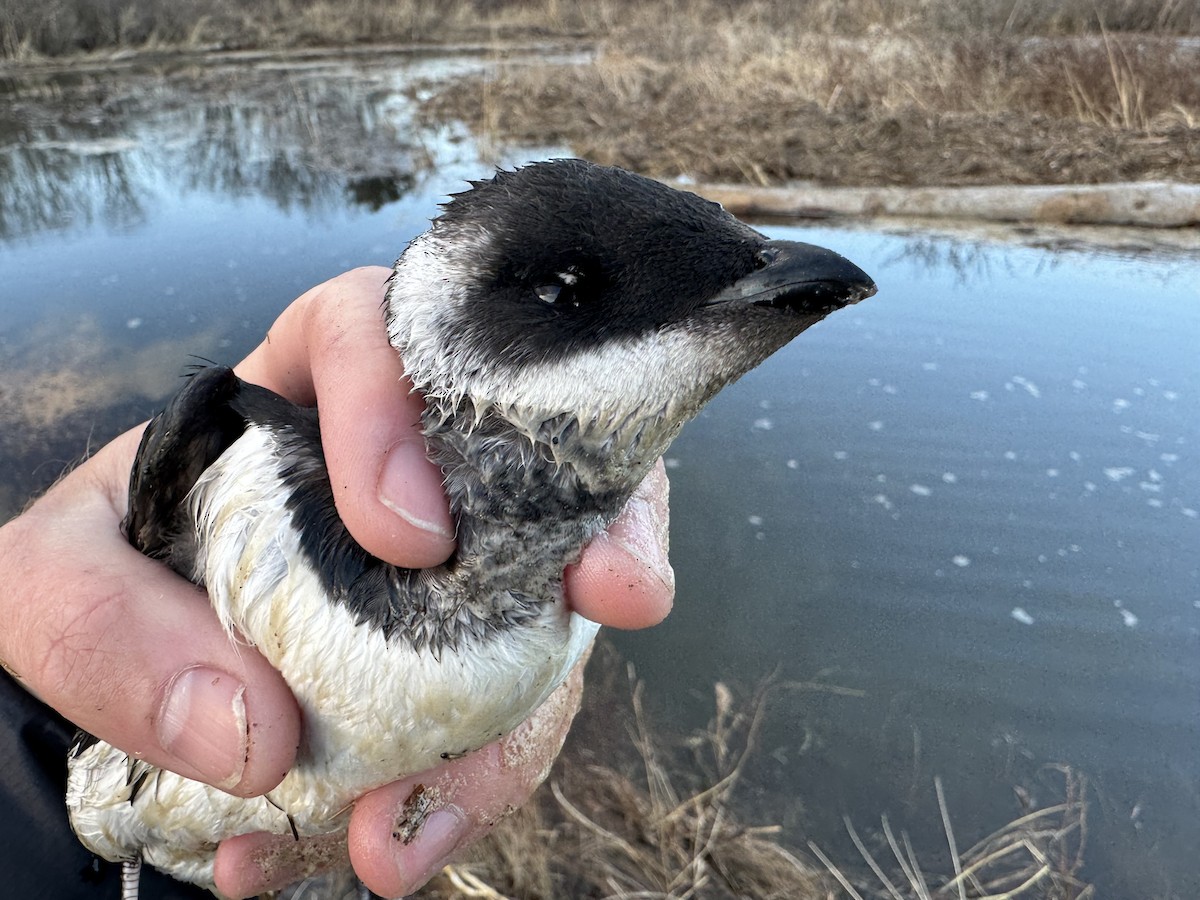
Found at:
(563, 321)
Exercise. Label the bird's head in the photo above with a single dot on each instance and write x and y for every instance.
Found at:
(596, 311)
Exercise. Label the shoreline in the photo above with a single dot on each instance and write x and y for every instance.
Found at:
(1170, 209)
(215, 55)
(1137, 204)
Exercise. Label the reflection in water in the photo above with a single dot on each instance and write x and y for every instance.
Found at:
(67, 381)
(973, 498)
(108, 147)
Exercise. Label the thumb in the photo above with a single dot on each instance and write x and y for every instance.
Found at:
(129, 651)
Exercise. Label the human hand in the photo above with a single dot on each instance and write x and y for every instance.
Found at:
(134, 654)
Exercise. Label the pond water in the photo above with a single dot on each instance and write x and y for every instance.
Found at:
(973, 500)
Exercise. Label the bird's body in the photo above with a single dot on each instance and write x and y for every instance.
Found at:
(562, 321)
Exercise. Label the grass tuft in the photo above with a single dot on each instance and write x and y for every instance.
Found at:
(670, 821)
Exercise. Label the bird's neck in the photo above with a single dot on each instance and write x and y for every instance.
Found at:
(523, 498)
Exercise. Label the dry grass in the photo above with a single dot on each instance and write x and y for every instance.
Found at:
(671, 823)
(751, 96)
(53, 27)
(1038, 855)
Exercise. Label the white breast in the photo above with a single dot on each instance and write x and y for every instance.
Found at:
(373, 711)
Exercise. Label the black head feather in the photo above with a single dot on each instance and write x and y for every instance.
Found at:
(571, 255)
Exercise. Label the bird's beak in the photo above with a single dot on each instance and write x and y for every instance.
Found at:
(801, 278)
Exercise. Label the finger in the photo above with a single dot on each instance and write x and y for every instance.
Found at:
(128, 650)
(624, 578)
(330, 347)
(401, 835)
(252, 864)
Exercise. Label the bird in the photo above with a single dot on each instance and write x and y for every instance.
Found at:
(563, 320)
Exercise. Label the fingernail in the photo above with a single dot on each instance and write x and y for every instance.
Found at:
(202, 722)
(642, 533)
(411, 487)
(441, 833)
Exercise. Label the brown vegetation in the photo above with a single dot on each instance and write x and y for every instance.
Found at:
(748, 93)
(55, 27)
(669, 821)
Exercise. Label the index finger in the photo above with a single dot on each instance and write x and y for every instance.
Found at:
(330, 348)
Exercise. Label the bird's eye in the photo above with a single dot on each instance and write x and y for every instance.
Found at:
(563, 288)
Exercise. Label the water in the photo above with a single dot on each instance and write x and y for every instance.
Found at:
(974, 500)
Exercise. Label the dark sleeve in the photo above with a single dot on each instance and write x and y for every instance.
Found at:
(40, 857)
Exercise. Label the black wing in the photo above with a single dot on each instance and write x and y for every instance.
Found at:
(183, 440)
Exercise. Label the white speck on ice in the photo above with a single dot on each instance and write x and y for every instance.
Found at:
(929, 366)
(1190, 513)
(1010, 454)
(135, 322)
(874, 382)
(889, 389)
(961, 561)
(949, 478)
(1155, 502)
(920, 490)
(1121, 403)
(763, 424)
(979, 395)
(793, 463)
(840, 454)
(1169, 457)
(1052, 473)
(875, 426)
(1170, 395)
(883, 501)
(1117, 473)
(1030, 387)
(1074, 455)
(1089, 485)
(756, 521)
(1078, 385)
(1130, 619)
(671, 462)
(1021, 616)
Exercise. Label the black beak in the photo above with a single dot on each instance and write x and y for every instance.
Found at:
(802, 278)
